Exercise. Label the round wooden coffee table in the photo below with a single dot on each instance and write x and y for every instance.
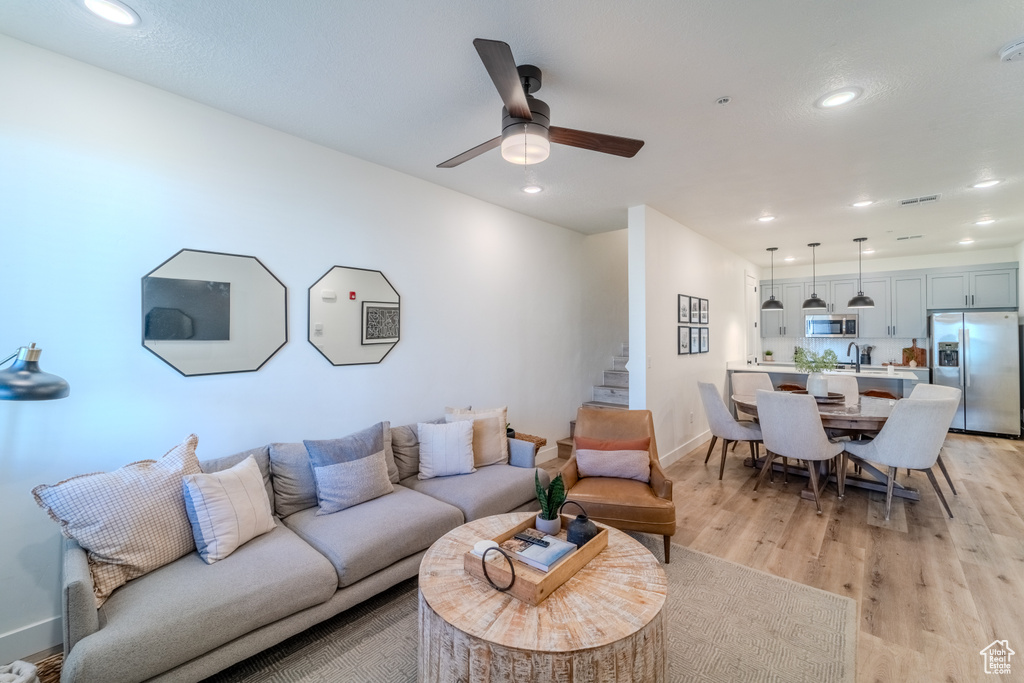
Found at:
(604, 624)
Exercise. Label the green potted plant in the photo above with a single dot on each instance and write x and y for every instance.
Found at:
(769, 356)
(814, 364)
(550, 499)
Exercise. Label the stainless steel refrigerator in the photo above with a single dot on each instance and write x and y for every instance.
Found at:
(979, 353)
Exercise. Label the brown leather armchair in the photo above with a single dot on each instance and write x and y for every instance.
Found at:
(625, 504)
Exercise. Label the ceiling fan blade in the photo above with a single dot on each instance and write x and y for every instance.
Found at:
(471, 153)
(597, 142)
(501, 66)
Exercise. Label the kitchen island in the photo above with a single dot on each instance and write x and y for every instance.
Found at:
(900, 383)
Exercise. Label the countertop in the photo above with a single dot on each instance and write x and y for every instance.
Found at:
(872, 371)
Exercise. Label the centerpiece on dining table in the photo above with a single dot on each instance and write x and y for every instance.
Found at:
(814, 364)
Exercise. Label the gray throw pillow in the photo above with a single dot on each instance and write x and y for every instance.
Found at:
(292, 475)
(341, 477)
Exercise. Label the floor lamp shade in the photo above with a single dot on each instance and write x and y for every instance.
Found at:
(24, 381)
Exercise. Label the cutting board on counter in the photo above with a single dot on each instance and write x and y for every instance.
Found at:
(915, 353)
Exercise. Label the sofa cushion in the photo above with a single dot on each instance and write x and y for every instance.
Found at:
(445, 449)
(129, 521)
(292, 474)
(491, 490)
(261, 455)
(227, 509)
(188, 608)
(373, 535)
(405, 446)
(489, 434)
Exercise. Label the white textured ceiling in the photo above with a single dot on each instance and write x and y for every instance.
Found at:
(400, 84)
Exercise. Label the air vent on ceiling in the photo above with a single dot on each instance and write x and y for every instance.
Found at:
(916, 201)
(909, 237)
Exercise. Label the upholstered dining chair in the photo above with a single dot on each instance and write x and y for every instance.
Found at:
(939, 391)
(749, 383)
(724, 426)
(627, 504)
(845, 385)
(911, 439)
(791, 427)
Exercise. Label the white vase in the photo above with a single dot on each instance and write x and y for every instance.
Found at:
(549, 526)
(817, 385)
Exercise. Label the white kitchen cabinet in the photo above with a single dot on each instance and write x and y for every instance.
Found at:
(996, 288)
(909, 312)
(875, 322)
(788, 322)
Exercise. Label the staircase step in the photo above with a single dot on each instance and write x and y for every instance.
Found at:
(619, 362)
(625, 349)
(608, 394)
(572, 428)
(565, 448)
(616, 378)
(607, 406)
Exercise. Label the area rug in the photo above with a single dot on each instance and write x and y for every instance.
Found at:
(726, 622)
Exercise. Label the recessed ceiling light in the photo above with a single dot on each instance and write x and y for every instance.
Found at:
(838, 98)
(985, 183)
(790, 258)
(532, 189)
(766, 219)
(869, 250)
(863, 202)
(985, 221)
(966, 240)
(113, 11)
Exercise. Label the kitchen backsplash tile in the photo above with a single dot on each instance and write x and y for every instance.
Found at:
(884, 350)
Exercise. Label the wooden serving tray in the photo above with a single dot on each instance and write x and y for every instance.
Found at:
(532, 585)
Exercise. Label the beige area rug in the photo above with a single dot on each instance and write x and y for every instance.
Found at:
(726, 623)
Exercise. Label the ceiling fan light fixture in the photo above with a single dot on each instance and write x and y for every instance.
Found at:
(525, 144)
(113, 11)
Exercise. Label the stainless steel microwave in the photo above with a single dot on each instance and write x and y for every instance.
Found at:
(831, 325)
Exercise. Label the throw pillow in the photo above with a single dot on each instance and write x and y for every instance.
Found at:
(342, 481)
(488, 433)
(227, 509)
(405, 444)
(500, 413)
(613, 445)
(292, 475)
(129, 521)
(626, 464)
(445, 449)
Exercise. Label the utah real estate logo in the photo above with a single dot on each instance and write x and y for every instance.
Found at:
(997, 657)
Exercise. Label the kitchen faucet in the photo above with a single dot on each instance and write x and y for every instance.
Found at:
(853, 345)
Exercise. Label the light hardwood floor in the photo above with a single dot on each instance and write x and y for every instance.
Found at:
(931, 591)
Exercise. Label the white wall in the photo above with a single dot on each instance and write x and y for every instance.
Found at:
(967, 257)
(605, 305)
(677, 260)
(103, 178)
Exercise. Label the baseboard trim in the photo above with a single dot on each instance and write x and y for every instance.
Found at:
(546, 453)
(684, 448)
(28, 640)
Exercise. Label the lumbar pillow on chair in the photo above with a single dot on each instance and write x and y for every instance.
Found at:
(624, 464)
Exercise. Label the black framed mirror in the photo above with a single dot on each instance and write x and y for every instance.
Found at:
(354, 316)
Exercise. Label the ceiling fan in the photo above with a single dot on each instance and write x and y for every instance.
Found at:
(526, 130)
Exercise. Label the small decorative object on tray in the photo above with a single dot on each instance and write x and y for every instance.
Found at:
(550, 500)
(529, 584)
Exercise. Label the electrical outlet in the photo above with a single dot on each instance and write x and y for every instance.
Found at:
(691, 417)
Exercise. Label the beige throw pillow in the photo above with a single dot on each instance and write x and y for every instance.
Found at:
(129, 521)
(501, 414)
(445, 449)
(487, 438)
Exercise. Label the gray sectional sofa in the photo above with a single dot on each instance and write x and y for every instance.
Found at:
(188, 620)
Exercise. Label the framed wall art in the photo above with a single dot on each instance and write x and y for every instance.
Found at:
(380, 322)
(684, 338)
(694, 340)
(704, 341)
(684, 308)
(703, 311)
(694, 310)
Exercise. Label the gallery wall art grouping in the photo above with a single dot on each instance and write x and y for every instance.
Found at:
(694, 313)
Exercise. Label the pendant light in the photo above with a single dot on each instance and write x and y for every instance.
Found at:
(860, 301)
(814, 303)
(771, 303)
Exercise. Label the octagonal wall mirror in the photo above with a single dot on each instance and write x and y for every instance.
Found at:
(207, 313)
(354, 316)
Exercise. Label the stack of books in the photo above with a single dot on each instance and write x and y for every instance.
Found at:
(536, 549)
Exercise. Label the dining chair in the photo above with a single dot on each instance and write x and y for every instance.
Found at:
(845, 385)
(626, 504)
(910, 438)
(791, 427)
(749, 383)
(939, 391)
(724, 426)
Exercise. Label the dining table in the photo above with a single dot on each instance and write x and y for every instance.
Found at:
(865, 417)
